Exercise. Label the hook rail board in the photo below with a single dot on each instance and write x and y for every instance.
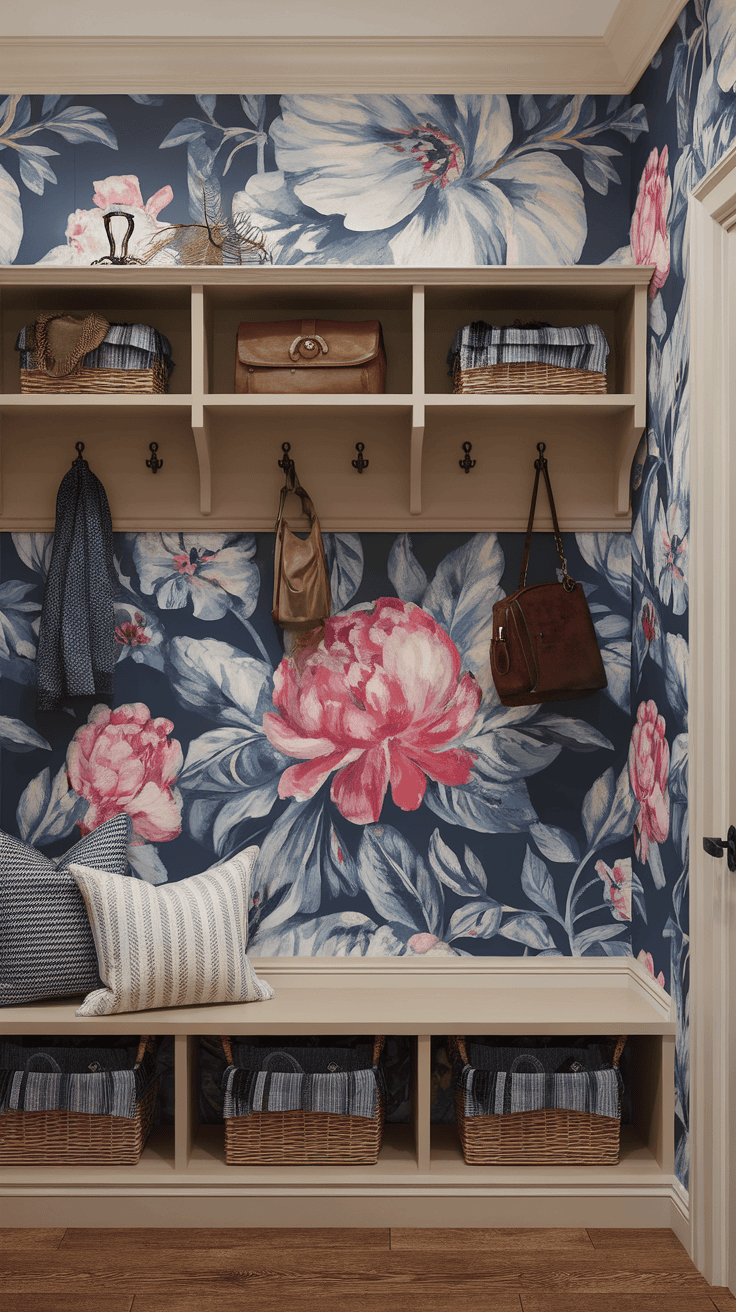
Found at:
(222, 449)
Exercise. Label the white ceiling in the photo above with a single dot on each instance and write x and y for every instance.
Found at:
(315, 18)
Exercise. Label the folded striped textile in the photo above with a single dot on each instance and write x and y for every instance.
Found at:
(479, 345)
(347, 1093)
(97, 1093)
(500, 1093)
(125, 346)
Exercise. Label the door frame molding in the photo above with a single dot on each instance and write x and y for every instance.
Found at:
(711, 288)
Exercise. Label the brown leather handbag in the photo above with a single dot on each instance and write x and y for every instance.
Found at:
(310, 355)
(301, 584)
(544, 646)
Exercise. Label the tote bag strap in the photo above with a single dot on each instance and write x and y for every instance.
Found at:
(540, 465)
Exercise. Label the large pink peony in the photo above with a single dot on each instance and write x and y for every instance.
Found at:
(380, 701)
(650, 240)
(649, 763)
(122, 760)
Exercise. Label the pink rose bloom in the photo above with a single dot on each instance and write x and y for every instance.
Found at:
(122, 760)
(85, 230)
(647, 960)
(380, 701)
(617, 888)
(649, 763)
(421, 943)
(650, 240)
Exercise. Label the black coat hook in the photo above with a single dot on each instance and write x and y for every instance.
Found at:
(466, 463)
(287, 464)
(360, 464)
(154, 464)
(79, 448)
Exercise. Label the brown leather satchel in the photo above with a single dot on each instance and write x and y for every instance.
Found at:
(310, 355)
(301, 585)
(544, 646)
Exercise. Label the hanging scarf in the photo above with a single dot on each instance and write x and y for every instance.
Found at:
(76, 642)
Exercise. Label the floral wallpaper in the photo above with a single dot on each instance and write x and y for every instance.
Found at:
(399, 808)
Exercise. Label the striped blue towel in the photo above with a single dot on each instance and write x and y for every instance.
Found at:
(479, 345)
(125, 346)
(347, 1093)
(499, 1093)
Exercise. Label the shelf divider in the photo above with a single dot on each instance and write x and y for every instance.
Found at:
(422, 1101)
(201, 435)
(185, 1098)
(415, 470)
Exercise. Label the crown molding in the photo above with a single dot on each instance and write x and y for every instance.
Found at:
(104, 65)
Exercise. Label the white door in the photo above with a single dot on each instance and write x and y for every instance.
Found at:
(712, 720)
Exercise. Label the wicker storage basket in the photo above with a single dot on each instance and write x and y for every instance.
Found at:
(525, 358)
(64, 1138)
(301, 1138)
(62, 354)
(528, 377)
(551, 1136)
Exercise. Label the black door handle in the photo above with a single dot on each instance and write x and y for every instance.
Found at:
(717, 846)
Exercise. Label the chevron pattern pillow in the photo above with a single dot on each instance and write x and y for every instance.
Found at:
(174, 944)
(46, 944)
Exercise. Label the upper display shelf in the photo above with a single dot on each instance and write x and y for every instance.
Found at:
(413, 433)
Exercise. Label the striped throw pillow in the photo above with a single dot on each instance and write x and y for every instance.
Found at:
(171, 945)
(46, 946)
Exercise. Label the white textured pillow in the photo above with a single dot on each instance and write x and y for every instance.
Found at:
(171, 945)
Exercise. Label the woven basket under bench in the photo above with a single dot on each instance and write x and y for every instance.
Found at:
(550, 1136)
(73, 1138)
(305, 1138)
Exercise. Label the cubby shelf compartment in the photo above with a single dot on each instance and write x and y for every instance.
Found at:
(222, 472)
(420, 1166)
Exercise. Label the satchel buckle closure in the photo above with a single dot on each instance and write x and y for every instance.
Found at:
(308, 346)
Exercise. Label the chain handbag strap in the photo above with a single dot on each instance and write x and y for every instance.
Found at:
(540, 465)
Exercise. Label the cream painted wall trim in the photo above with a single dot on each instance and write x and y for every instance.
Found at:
(712, 216)
(93, 65)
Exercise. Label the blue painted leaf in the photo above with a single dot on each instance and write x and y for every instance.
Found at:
(188, 129)
(555, 843)
(337, 934)
(254, 107)
(448, 869)
(631, 122)
(598, 170)
(616, 658)
(35, 550)
(344, 555)
(395, 878)
(207, 103)
(408, 579)
(147, 864)
(16, 736)
(538, 884)
(656, 869)
(477, 919)
(34, 170)
(613, 948)
(505, 809)
(203, 187)
(11, 218)
(578, 735)
(596, 934)
(48, 809)
(239, 767)
(609, 554)
(609, 809)
(80, 123)
(146, 100)
(676, 668)
(528, 112)
(637, 892)
(461, 596)
(49, 103)
(528, 928)
(298, 865)
(220, 682)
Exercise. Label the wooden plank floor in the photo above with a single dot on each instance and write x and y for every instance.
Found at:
(409, 1270)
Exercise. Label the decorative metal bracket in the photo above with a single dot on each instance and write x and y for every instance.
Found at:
(360, 464)
(123, 257)
(287, 464)
(466, 463)
(154, 464)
